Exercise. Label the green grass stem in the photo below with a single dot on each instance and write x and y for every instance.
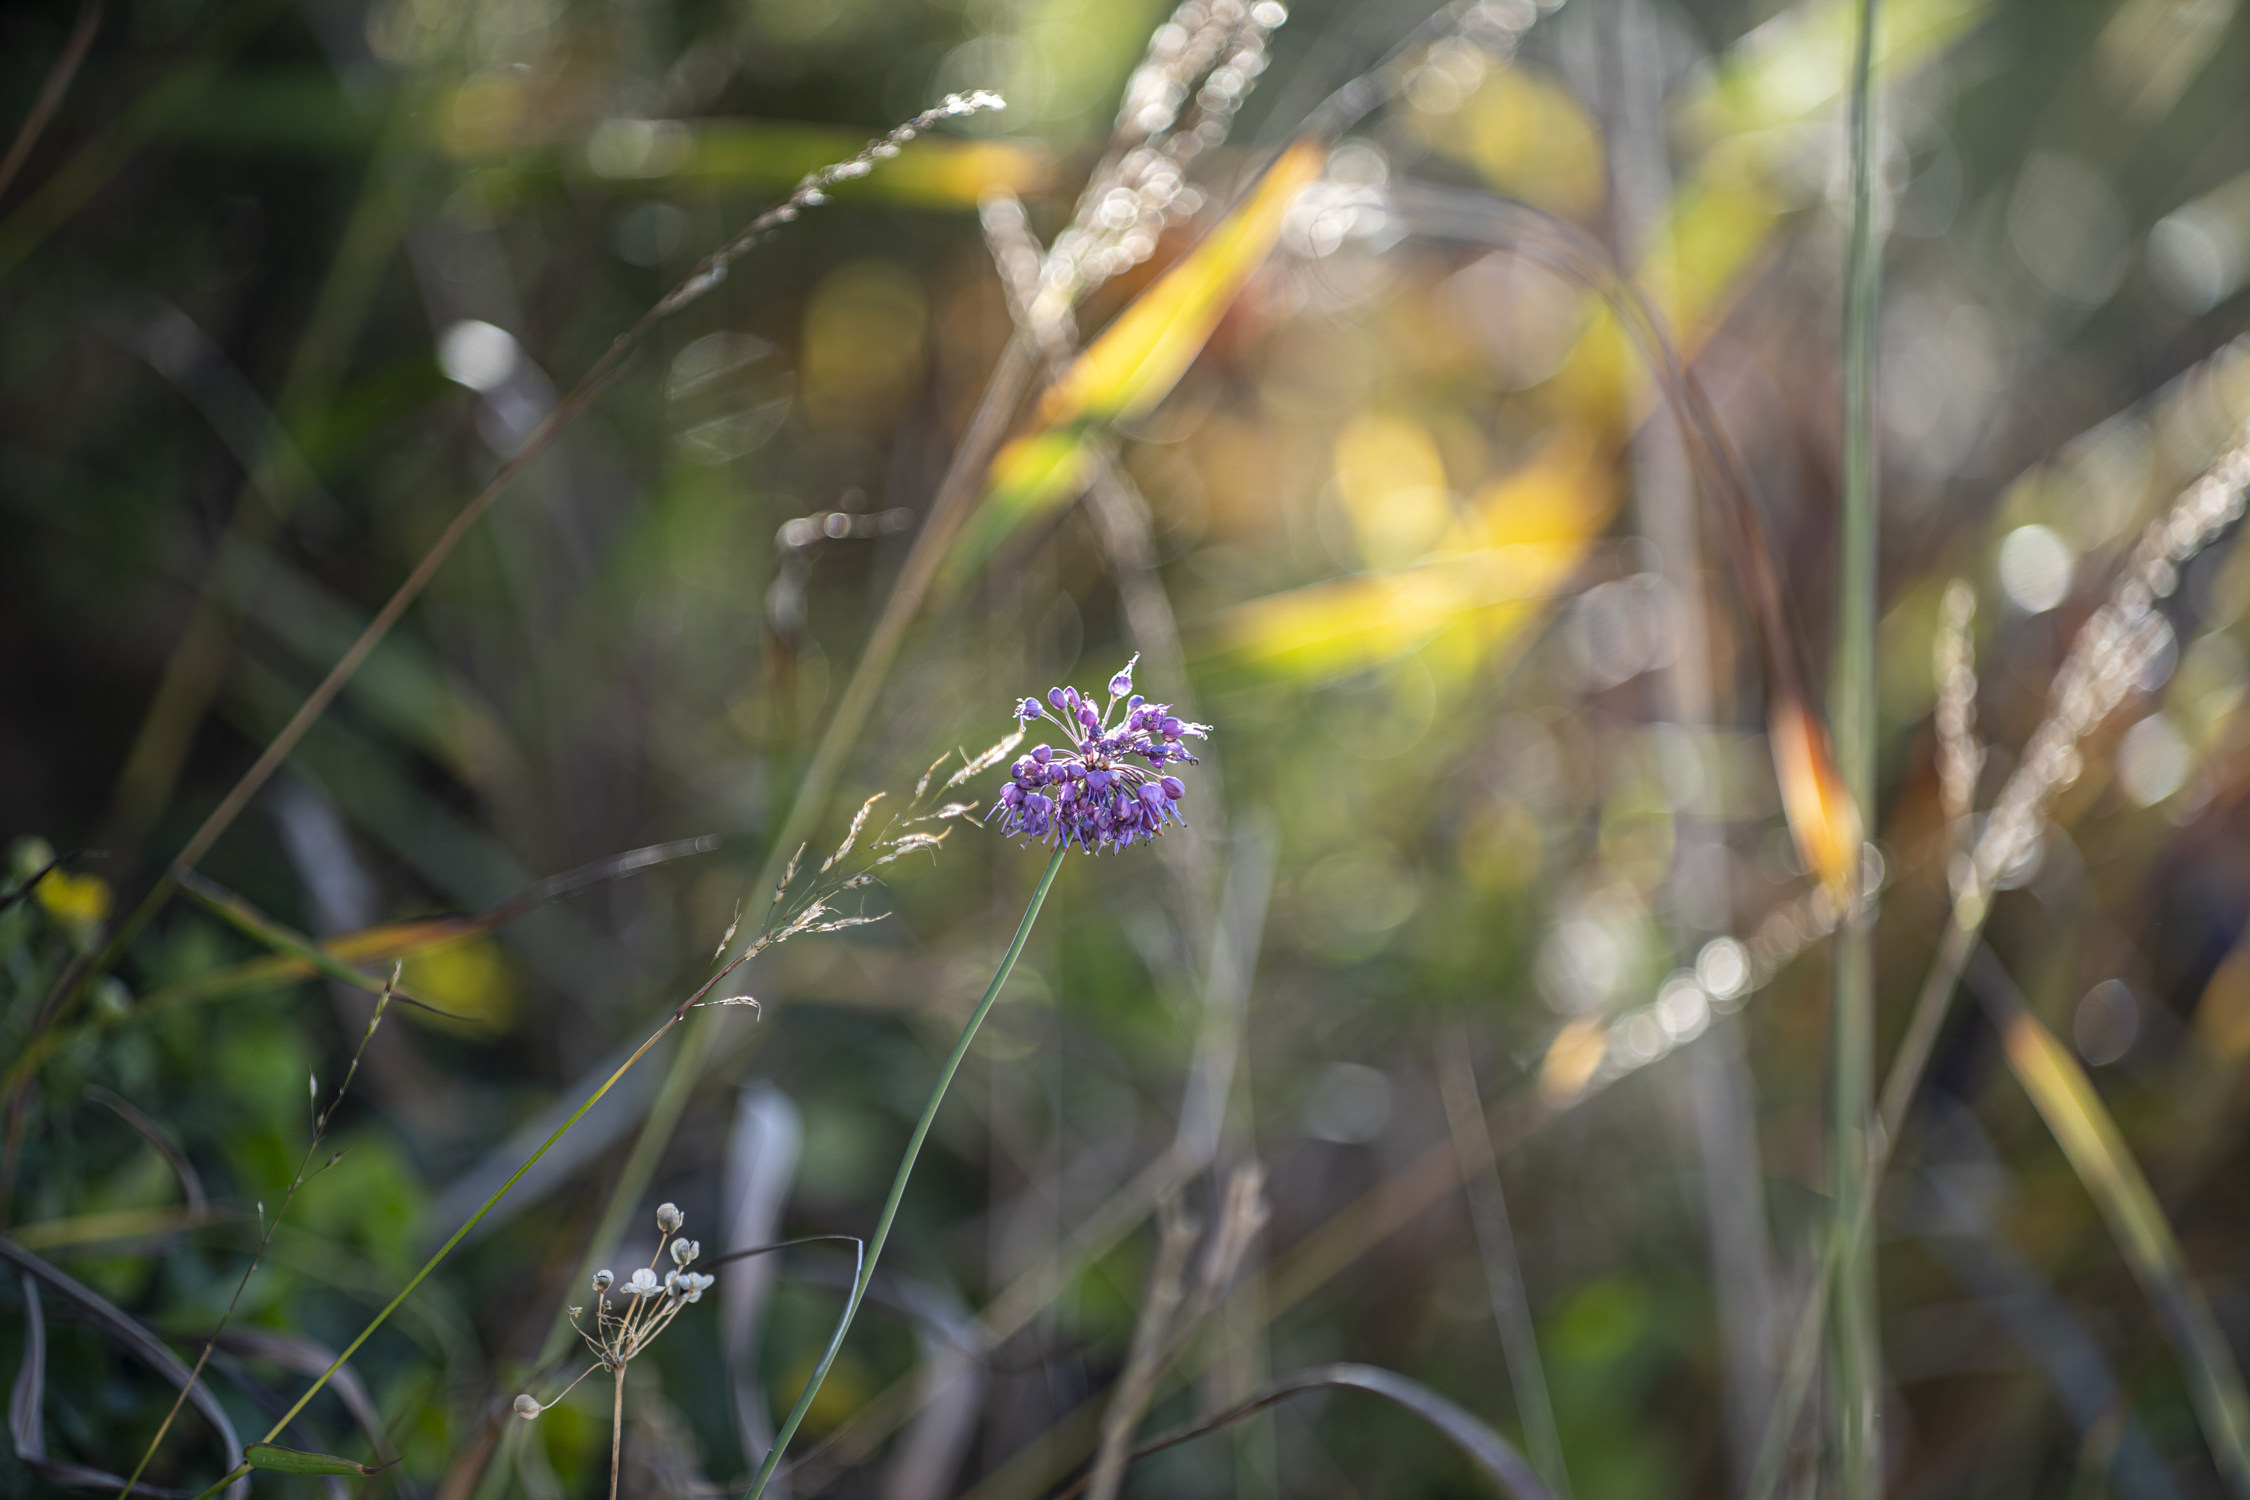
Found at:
(905, 1171)
(1855, 1361)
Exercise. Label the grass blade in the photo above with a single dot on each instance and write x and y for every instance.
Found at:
(1478, 1443)
(276, 1459)
(99, 1311)
(2097, 1152)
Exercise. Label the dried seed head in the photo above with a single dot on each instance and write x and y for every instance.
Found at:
(603, 1281)
(643, 1284)
(684, 1251)
(669, 1217)
(527, 1408)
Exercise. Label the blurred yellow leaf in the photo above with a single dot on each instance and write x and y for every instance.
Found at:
(1572, 1059)
(1798, 63)
(1529, 137)
(939, 172)
(1392, 480)
(2098, 1154)
(1701, 253)
(1522, 537)
(76, 901)
(2222, 1016)
(472, 980)
(1133, 364)
(1823, 819)
(862, 345)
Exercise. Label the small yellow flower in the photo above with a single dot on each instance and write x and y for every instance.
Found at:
(79, 902)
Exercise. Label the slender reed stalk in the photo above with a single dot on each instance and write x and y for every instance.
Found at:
(2103, 665)
(882, 1233)
(1855, 1427)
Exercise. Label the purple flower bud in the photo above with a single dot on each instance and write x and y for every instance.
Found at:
(1174, 788)
(1122, 683)
(1057, 697)
(1028, 710)
(1170, 729)
(1042, 754)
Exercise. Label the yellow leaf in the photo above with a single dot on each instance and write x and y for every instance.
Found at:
(1572, 1059)
(1133, 364)
(2082, 1126)
(1822, 816)
(472, 980)
(76, 901)
(1391, 479)
(1528, 136)
(1523, 536)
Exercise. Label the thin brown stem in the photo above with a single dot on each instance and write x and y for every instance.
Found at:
(616, 1431)
(50, 99)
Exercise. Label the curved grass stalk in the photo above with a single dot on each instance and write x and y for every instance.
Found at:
(1476, 1442)
(921, 1133)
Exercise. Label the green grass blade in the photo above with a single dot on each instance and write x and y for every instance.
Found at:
(279, 1460)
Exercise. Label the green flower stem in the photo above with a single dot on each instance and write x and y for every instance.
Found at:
(898, 1183)
(1854, 1440)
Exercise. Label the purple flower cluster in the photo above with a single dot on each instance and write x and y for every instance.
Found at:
(1107, 790)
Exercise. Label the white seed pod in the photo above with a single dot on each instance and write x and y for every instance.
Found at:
(643, 1284)
(684, 1251)
(527, 1408)
(669, 1217)
(603, 1280)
